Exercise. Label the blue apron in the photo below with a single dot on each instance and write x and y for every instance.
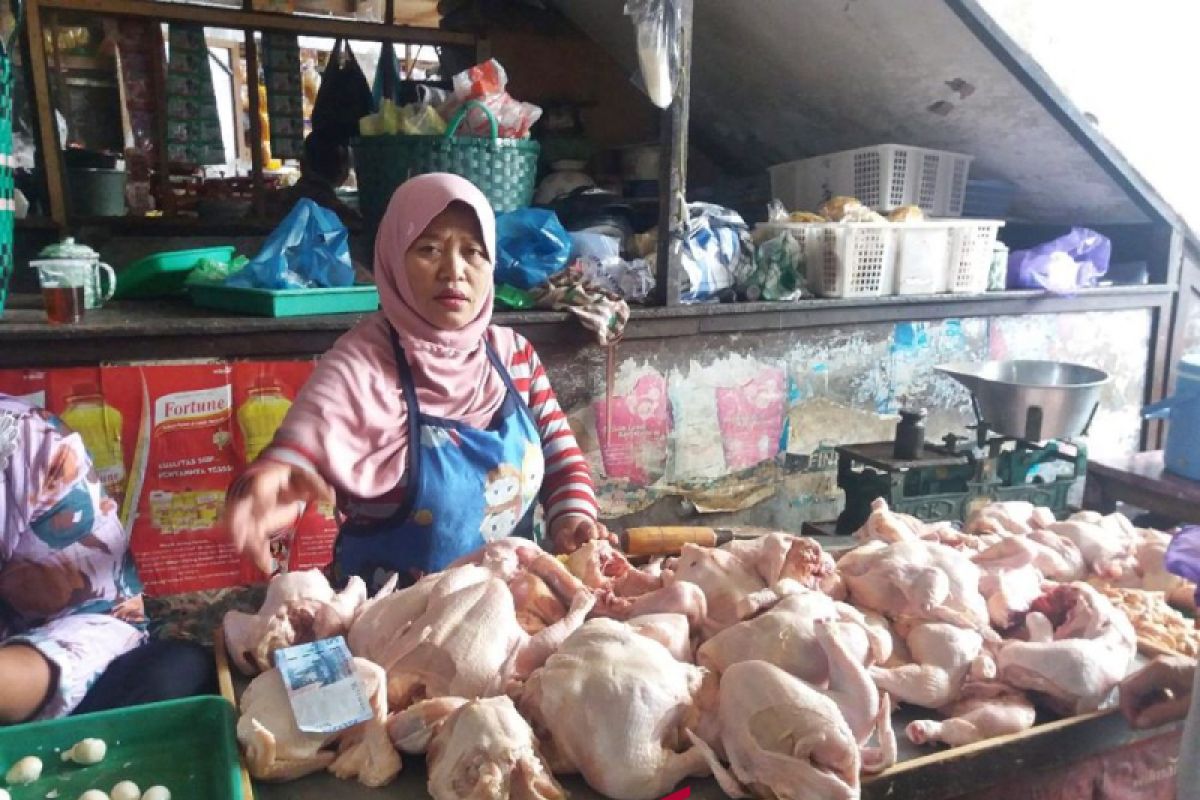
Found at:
(465, 487)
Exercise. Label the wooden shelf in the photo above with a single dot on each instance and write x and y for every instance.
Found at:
(173, 329)
(221, 17)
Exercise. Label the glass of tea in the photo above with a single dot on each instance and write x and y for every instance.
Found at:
(63, 286)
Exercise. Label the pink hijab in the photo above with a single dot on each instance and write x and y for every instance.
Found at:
(351, 420)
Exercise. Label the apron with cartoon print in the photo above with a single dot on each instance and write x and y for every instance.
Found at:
(465, 487)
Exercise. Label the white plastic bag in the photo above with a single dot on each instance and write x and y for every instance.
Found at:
(658, 23)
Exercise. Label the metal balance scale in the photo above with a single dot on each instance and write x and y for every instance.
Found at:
(1029, 416)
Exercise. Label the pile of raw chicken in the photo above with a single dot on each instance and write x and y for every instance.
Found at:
(763, 662)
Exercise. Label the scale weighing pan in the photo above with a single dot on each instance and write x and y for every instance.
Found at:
(1032, 400)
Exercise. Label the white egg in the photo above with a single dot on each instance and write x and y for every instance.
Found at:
(87, 751)
(93, 794)
(126, 790)
(157, 793)
(27, 770)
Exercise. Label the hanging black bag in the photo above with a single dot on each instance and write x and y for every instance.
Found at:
(344, 97)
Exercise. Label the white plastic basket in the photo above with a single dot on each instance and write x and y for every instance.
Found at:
(971, 245)
(883, 177)
(922, 255)
(844, 260)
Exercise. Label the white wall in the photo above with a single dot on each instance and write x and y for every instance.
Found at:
(1135, 68)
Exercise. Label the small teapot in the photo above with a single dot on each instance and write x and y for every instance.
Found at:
(82, 265)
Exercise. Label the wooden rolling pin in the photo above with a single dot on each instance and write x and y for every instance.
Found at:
(664, 541)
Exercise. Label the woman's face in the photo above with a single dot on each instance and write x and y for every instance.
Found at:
(449, 269)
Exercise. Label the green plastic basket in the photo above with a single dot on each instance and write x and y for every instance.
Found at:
(505, 170)
(187, 745)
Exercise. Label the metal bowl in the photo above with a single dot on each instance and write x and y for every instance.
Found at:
(1032, 400)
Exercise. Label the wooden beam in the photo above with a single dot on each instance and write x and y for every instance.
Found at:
(256, 131)
(217, 17)
(51, 150)
(672, 176)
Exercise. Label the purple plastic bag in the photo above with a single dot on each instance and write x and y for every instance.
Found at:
(1062, 265)
(1183, 555)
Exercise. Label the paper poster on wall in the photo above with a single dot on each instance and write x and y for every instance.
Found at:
(633, 433)
(28, 385)
(751, 419)
(184, 461)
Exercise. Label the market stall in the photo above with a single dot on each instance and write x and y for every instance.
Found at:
(736, 288)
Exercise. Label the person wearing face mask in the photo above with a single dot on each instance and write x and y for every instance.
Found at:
(434, 430)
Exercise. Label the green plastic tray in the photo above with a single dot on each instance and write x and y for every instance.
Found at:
(285, 302)
(164, 273)
(188, 746)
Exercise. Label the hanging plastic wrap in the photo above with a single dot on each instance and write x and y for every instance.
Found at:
(658, 25)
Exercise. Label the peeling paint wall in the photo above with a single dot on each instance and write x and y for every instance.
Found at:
(741, 427)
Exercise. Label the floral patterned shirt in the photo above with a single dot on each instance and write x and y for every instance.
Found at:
(68, 586)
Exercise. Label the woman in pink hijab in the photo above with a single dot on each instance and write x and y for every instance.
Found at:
(435, 430)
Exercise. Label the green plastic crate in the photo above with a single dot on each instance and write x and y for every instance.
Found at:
(285, 302)
(188, 746)
(164, 274)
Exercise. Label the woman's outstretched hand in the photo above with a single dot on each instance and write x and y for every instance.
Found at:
(569, 533)
(269, 497)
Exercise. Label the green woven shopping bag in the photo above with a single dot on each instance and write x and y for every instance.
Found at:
(505, 170)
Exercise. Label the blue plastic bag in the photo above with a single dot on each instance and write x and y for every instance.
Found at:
(1062, 265)
(308, 249)
(1183, 555)
(531, 246)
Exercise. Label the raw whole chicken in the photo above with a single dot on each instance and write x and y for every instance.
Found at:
(299, 607)
(1079, 648)
(943, 657)
(672, 631)
(885, 525)
(732, 588)
(277, 750)
(1009, 582)
(601, 566)
(781, 556)
(983, 711)
(1057, 557)
(786, 739)
(786, 637)
(1010, 516)
(1107, 543)
(456, 633)
(917, 579)
(613, 705)
(479, 749)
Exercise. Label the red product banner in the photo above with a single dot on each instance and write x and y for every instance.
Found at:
(24, 384)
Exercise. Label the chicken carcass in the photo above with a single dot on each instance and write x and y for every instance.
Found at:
(612, 705)
(917, 579)
(1057, 558)
(943, 657)
(1079, 648)
(1107, 543)
(1009, 582)
(456, 633)
(1009, 517)
(277, 750)
(780, 556)
(732, 588)
(783, 738)
(889, 527)
(672, 631)
(601, 566)
(299, 607)
(786, 637)
(983, 711)
(478, 749)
